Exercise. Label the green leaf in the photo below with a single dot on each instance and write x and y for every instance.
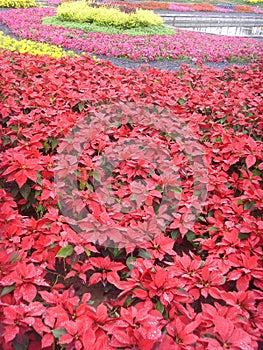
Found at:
(116, 252)
(54, 143)
(88, 253)
(181, 101)
(208, 335)
(190, 236)
(242, 236)
(15, 257)
(81, 106)
(174, 235)
(128, 262)
(133, 197)
(177, 189)
(96, 175)
(7, 290)
(197, 193)
(58, 332)
(212, 228)
(64, 252)
(249, 205)
(77, 173)
(256, 172)
(144, 254)
(25, 191)
(159, 306)
(46, 146)
(6, 140)
(128, 301)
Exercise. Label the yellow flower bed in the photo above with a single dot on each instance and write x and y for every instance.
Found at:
(34, 48)
(254, 1)
(18, 3)
(80, 11)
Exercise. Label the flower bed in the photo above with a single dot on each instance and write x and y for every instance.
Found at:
(153, 5)
(17, 3)
(93, 28)
(34, 48)
(184, 45)
(167, 167)
(81, 12)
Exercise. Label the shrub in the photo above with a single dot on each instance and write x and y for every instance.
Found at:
(95, 28)
(17, 3)
(81, 11)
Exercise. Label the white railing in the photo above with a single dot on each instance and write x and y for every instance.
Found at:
(188, 20)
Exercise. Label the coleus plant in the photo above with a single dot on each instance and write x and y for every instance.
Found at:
(131, 206)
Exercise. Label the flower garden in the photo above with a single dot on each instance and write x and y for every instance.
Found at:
(131, 200)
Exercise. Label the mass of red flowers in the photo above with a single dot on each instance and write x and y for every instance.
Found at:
(130, 206)
(203, 7)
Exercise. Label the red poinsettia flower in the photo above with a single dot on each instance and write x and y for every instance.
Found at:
(22, 168)
(107, 270)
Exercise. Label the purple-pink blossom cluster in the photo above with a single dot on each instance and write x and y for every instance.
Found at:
(187, 45)
(180, 8)
(53, 2)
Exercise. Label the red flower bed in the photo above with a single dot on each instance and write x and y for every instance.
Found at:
(243, 8)
(203, 7)
(153, 5)
(131, 206)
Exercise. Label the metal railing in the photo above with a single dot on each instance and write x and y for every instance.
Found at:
(188, 20)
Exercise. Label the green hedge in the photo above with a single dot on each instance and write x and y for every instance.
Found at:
(95, 28)
(80, 11)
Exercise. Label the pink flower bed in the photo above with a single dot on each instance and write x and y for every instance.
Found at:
(179, 8)
(53, 2)
(221, 9)
(184, 45)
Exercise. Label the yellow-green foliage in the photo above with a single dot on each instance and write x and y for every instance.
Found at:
(31, 47)
(254, 1)
(80, 11)
(17, 3)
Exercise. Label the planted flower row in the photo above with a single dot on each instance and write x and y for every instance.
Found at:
(183, 45)
(17, 3)
(205, 7)
(34, 48)
(158, 244)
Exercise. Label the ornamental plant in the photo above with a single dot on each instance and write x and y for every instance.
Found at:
(17, 3)
(34, 48)
(147, 5)
(184, 45)
(131, 207)
(81, 11)
(94, 28)
(152, 5)
(243, 8)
